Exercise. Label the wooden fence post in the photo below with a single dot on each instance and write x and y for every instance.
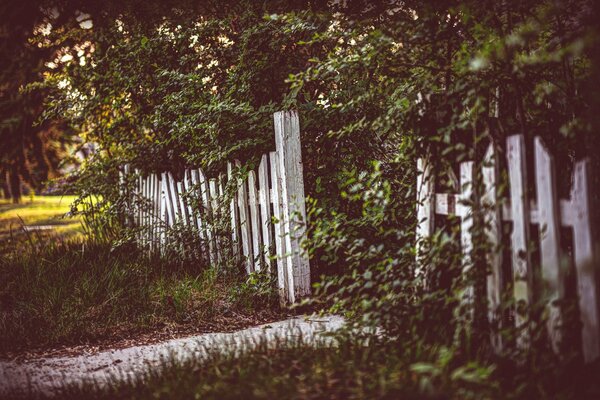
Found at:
(464, 209)
(287, 142)
(253, 202)
(265, 209)
(242, 198)
(282, 280)
(521, 256)
(235, 216)
(586, 262)
(425, 210)
(550, 252)
(493, 231)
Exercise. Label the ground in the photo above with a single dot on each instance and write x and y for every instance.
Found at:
(48, 374)
(61, 297)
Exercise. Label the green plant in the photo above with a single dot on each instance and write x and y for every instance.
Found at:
(74, 292)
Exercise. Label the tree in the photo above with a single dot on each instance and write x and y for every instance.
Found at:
(32, 146)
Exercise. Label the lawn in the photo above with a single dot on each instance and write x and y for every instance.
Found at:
(34, 217)
(85, 293)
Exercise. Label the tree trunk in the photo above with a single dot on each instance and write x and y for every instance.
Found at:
(5, 185)
(15, 185)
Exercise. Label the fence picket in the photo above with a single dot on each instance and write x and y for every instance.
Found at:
(493, 230)
(265, 209)
(207, 215)
(425, 209)
(138, 208)
(244, 222)
(521, 257)
(287, 143)
(254, 220)
(464, 211)
(146, 206)
(172, 196)
(586, 262)
(282, 280)
(182, 204)
(200, 218)
(550, 253)
(214, 205)
(234, 215)
(165, 210)
(187, 186)
(156, 222)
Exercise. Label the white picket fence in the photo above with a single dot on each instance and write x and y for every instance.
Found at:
(547, 211)
(266, 213)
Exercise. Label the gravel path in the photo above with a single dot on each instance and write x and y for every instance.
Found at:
(45, 375)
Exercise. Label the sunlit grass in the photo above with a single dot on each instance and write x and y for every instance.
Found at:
(47, 212)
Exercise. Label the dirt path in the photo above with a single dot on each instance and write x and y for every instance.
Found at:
(45, 375)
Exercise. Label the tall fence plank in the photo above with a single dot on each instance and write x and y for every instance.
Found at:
(287, 143)
(278, 233)
(182, 204)
(521, 257)
(244, 222)
(586, 262)
(168, 207)
(464, 211)
(254, 205)
(188, 187)
(493, 230)
(214, 206)
(425, 208)
(548, 212)
(265, 209)
(208, 215)
(235, 216)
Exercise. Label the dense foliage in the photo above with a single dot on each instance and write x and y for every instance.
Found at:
(376, 84)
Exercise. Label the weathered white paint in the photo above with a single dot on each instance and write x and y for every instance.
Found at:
(278, 234)
(208, 215)
(214, 205)
(425, 209)
(182, 205)
(464, 209)
(550, 252)
(287, 143)
(187, 185)
(235, 216)
(173, 197)
(254, 205)
(521, 257)
(265, 209)
(586, 262)
(493, 230)
(170, 212)
(445, 203)
(244, 222)
(200, 217)
(164, 211)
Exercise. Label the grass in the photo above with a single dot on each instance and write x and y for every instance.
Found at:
(374, 368)
(73, 294)
(47, 211)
